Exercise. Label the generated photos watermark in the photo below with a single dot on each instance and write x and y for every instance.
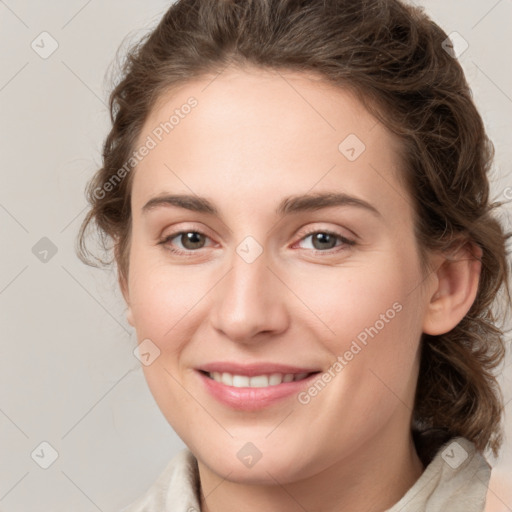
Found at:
(151, 142)
(357, 345)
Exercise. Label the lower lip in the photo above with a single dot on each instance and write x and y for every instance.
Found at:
(251, 399)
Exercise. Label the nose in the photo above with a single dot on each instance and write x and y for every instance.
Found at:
(249, 302)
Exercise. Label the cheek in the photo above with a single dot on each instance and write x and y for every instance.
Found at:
(161, 295)
(376, 323)
(165, 303)
(351, 301)
(371, 317)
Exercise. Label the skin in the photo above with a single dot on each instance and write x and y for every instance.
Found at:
(255, 138)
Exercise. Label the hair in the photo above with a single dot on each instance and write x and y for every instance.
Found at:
(391, 55)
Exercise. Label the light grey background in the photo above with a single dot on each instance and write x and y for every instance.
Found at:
(68, 376)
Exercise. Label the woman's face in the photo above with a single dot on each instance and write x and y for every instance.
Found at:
(286, 248)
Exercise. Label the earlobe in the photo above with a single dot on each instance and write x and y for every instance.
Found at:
(129, 316)
(458, 276)
(124, 290)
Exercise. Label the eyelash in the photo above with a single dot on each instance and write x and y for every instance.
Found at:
(180, 252)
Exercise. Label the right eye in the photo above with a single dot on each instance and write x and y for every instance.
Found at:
(190, 240)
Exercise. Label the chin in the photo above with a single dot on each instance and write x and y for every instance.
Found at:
(271, 467)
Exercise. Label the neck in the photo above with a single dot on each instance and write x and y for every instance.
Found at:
(371, 480)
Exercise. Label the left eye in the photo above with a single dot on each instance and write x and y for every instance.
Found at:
(325, 240)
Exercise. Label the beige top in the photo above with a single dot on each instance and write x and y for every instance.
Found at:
(455, 480)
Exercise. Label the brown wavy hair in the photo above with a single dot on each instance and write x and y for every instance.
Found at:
(392, 56)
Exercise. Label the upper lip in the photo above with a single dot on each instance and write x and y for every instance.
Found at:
(250, 370)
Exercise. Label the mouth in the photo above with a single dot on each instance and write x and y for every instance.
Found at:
(256, 381)
(253, 387)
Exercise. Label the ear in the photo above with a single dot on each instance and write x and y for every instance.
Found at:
(458, 276)
(123, 285)
(123, 282)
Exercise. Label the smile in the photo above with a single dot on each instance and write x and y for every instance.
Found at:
(255, 386)
(256, 381)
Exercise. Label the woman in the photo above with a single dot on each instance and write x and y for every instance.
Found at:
(356, 376)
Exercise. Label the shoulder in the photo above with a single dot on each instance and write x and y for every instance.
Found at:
(175, 490)
(455, 479)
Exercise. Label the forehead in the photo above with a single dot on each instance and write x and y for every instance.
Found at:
(254, 130)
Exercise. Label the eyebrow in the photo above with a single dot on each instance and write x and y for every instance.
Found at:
(291, 204)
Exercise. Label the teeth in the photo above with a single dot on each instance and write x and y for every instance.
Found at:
(275, 379)
(258, 381)
(240, 381)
